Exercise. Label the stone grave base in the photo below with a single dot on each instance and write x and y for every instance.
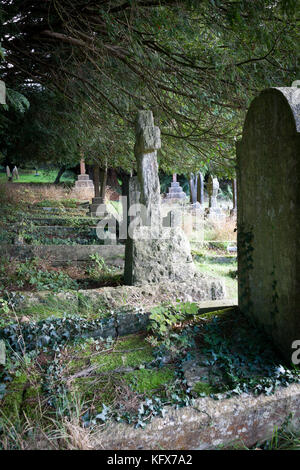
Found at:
(168, 259)
(146, 295)
(209, 424)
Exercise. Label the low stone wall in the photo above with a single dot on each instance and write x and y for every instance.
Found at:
(134, 296)
(60, 255)
(243, 420)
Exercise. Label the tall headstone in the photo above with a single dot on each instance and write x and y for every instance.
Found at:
(268, 178)
(154, 253)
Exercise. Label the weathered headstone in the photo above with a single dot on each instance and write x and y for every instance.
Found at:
(8, 173)
(154, 253)
(15, 173)
(269, 215)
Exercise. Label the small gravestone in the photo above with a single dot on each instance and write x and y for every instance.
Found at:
(154, 253)
(268, 178)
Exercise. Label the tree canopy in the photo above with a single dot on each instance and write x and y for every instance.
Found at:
(196, 64)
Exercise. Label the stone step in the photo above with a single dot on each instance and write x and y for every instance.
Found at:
(60, 255)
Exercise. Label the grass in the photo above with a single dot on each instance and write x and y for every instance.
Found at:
(45, 176)
(208, 262)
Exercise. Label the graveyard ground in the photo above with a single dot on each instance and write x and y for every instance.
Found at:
(78, 363)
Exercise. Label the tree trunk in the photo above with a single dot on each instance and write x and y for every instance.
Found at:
(103, 179)
(97, 180)
(193, 188)
(59, 174)
(200, 188)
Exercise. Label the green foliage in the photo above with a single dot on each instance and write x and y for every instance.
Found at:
(97, 269)
(197, 65)
(164, 319)
(72, 203)
(246, 357)
(29, 273)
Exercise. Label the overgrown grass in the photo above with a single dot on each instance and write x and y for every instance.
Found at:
(44, 176)
(224, 267)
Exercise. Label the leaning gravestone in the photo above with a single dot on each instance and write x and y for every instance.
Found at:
(269, 215)
(154, 253)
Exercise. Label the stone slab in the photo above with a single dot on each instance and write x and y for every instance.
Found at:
(60, 255)
(211, 424)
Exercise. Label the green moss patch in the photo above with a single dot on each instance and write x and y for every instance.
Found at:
(203, 388)
(150, 380)
(130, 351)
(22, 396)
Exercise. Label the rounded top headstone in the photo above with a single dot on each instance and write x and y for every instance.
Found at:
(276, 111)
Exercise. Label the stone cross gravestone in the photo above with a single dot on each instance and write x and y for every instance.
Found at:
(268, 178)
(84, 186)
(175, 190)
(153, 253)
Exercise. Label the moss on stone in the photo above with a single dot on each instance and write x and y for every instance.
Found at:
(12, 401)
(130, 351)
(112, 370)
(203, 388)
(150, 380)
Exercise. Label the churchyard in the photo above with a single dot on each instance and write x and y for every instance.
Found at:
(149, 226)
(108, 341)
